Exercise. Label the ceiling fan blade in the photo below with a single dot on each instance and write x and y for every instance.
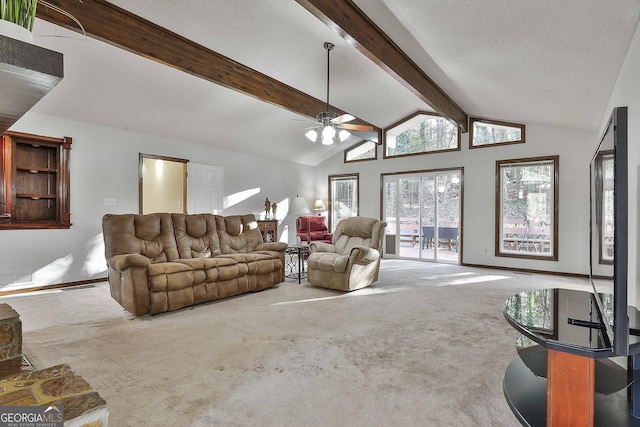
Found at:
(342, 119)
(367, 135)
(362, 128)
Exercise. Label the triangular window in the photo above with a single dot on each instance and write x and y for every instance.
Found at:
(365, 150)
(421, 133)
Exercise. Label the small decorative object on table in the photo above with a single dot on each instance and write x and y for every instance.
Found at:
(267, 208)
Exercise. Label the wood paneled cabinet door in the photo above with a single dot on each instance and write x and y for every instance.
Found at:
(34, 174)
(269, 230)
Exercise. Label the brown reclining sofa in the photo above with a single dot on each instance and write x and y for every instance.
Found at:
(162, 262)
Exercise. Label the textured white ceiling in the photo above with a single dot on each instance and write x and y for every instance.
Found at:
(516, 60)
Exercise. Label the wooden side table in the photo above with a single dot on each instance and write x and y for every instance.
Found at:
(269, 230)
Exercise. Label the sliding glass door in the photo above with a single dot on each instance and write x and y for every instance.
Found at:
(423, 213)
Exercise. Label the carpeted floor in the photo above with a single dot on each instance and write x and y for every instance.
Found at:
(427, 345)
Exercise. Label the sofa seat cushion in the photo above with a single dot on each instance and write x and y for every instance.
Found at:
(328, 261)
(319, 235)
(256, 262)
(252, 257)
(170, 276)
(270, 254)
(207, 263)
(216, 269)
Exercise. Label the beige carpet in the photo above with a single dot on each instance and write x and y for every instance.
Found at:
(425, 346)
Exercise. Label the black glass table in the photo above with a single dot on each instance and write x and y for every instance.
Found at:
(295, 256)
(566, 373)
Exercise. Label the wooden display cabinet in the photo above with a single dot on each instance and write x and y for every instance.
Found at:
(35, 181)
(269, 230)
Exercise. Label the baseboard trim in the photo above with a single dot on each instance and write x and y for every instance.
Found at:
(54, 286)
(528, 270)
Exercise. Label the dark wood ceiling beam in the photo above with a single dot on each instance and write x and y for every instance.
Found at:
(118, 27)
(344, 17)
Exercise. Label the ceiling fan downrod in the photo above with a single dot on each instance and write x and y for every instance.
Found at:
(328, 46)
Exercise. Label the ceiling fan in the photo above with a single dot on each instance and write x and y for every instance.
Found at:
(331, 127)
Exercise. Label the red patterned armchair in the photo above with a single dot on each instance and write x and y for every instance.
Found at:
(312, 229)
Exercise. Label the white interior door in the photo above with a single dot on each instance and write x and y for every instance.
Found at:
(204, 189)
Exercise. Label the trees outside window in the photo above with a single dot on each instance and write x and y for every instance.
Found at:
(421, 133)
(362, 151)
(343, 198)
(527, 208)
(489, 133)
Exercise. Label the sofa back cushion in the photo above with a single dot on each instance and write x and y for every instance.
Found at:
(238, 233)
(314, 224)
(150, 235)
(358, 231)
(196, 235)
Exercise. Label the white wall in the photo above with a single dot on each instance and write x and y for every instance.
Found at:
(627, 93)
(104, 165)
(574, 148)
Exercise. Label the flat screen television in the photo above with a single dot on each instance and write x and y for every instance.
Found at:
(609, 230)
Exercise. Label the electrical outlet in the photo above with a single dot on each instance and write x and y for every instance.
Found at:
(110, 202)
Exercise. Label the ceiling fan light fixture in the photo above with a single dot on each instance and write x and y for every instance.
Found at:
(312, 135)
(330, 125)
(328, 132)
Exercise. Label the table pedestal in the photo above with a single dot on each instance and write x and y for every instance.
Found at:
(570, 389)
(292, 252)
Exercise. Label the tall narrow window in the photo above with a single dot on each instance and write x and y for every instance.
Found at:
(527, 208)
(343, 198)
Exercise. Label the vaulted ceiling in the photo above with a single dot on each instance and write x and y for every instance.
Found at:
(544, 62)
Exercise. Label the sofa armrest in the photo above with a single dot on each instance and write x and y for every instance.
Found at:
(129, 283)
(125, 261)
(364, 255)
(321, 247)
(272, 246)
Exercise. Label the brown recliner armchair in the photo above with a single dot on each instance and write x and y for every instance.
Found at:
(352, 260)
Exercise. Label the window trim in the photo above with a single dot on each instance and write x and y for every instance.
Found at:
(409, 117)
(8, 186)
(354, 146)
(472, 120)
(498, 207)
